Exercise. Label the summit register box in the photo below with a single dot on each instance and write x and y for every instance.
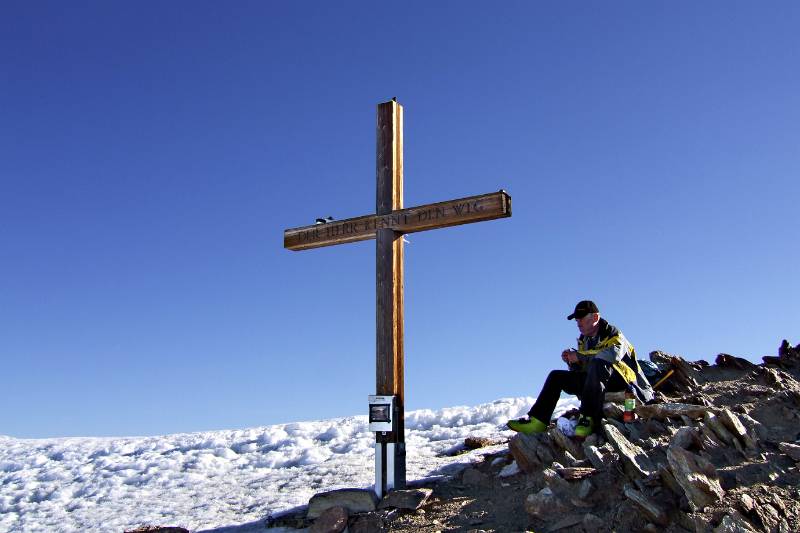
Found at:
(381, 413)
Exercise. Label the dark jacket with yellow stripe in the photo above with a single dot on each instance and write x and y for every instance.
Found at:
(611, 345)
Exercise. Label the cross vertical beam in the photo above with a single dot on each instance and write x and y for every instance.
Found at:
(389, 293)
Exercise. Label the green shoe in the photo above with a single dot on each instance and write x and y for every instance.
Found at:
(527, 426)
(585, 427)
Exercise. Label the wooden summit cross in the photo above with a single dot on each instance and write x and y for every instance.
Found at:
(387, 226)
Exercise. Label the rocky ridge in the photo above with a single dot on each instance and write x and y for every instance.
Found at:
(718, 451)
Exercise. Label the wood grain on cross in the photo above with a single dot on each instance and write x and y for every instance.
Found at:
(388, 225)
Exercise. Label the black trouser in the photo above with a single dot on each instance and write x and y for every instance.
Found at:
(589, 387)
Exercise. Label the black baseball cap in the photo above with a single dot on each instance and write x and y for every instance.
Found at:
(583, 308)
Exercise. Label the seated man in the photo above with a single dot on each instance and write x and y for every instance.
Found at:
(604, 361)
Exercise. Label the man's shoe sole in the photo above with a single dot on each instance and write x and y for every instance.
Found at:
(527, 428)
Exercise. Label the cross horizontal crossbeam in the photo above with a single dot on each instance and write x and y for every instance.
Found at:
(421, 218)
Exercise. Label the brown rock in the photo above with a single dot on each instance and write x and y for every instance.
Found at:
(574, 473)
(662, 411)
(332, 520)
(696, 476)
(409, 499)
(368, 523)
(158, 529)
(354, 500)
(473, 443)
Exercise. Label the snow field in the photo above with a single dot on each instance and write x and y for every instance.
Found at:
(221, 478)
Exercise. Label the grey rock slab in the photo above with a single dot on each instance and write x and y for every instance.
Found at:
(567, 521)
(509, 470)
(686, 437)
(734, 522)
(665, 474)
(592, 523)
(633, 457)
(354, 500)
(474, 477)
(585, 489)
(701, 522)
(612, 410)
(566, 443)
(712, 421)
(768, 515)
(696, 476)
(709, 438)
(557, 484)
(747, 503)
(756, 429)
(792, 450)
(523, 448)
(410, 499)
(614, 397)
(545, 505)
(653, 511)
(600, 457)
(732, 422)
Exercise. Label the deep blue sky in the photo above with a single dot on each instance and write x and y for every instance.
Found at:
(151, 155)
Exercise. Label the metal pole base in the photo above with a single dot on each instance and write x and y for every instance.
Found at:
(390, 467)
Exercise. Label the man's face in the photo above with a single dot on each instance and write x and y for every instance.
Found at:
(588, 324)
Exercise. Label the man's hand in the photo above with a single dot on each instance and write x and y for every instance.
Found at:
(569, 356)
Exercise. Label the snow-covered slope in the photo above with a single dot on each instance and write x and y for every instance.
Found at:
(219, 478)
